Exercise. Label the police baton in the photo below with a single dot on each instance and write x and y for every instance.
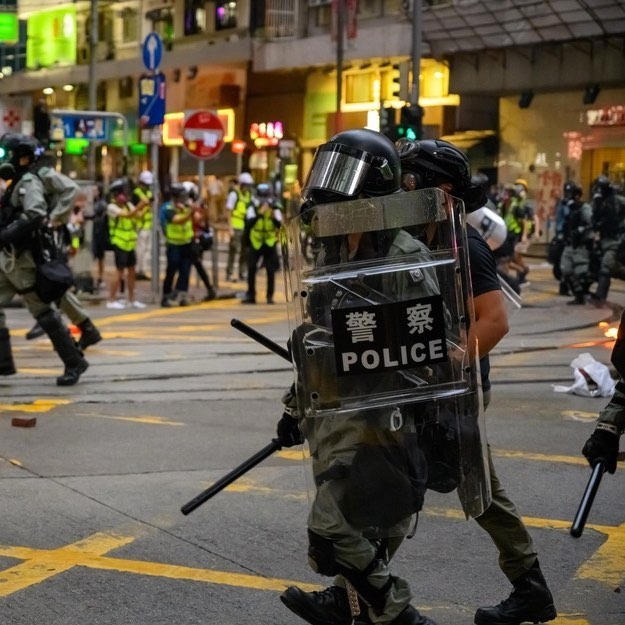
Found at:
(587, 498)
(261, 454)
(235, 474)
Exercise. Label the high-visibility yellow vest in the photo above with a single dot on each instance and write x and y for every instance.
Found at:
(145, 223)
(264, 231)
(237, 219)
(123, 230)
(179, 234)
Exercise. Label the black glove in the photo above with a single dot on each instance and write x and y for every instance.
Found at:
(602, 446)
(289, 433)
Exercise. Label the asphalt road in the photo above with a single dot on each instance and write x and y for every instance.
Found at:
(91, 531)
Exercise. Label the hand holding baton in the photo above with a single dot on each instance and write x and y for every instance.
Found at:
(587, 499)
(261, 454)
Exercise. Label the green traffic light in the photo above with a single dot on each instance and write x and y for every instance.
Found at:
(3, 152)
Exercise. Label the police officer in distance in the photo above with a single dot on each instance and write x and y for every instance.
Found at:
(23, 210)
(577, 235)
(142, 198)
(608, 216)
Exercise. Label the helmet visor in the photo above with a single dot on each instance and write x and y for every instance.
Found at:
(337, 169)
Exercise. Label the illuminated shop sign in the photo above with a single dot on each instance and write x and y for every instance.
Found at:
(174, 122)
(265, 134)
(51, 38)
(607, 116)
(9, 30)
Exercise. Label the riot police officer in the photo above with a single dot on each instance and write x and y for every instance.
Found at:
(608, 217)
(576, 231)
(368, 344)
(23, 209)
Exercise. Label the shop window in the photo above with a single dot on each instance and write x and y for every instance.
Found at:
(194, 17)
(359, 88)
(163, 24)
(225, 15)
(130, 25)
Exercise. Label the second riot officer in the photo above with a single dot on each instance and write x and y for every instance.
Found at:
(23, 209)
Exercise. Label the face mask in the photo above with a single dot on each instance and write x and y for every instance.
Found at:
(122, 198)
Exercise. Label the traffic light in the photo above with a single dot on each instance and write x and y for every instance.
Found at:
(409, 126)
(399, 87)
(387, 119)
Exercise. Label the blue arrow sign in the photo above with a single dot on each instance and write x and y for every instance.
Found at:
(151, 100)
(152, 51)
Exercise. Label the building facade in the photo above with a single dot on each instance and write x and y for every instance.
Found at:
(528, 88)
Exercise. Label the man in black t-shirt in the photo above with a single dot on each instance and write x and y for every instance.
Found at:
(440, 164)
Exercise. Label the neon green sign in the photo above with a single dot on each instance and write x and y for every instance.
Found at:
(51, 38)
(9, 30)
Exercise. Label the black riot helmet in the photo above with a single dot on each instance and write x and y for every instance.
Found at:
(569, 190)
(263, 190)
(432, 162)
(178, 191)
(351, 163)
(16, 146)
(601, 185)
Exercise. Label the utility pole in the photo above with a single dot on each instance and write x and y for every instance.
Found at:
(93, 83)
(340, 38)
(417, 115)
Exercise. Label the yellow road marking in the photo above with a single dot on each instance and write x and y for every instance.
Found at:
(524, 455)
(36, 370)
(607, 564)
(148, 419)
(39, 405)
(41, 564)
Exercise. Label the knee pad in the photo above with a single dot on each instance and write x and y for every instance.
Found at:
(321, 554)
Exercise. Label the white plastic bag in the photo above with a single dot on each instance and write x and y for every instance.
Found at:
(592, 378)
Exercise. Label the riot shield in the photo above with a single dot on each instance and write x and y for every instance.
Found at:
(379, 338)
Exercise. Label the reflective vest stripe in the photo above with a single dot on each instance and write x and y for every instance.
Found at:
(146, 222)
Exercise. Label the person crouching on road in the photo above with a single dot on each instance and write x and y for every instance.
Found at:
(122, 216)
(178, 226)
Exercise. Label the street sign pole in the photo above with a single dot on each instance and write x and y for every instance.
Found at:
(151, 112)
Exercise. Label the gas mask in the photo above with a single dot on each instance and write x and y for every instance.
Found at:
(7, 171)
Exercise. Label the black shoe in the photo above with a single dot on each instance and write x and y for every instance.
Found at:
(248, 300)
(579, 300)
(325, 607)
(411, 616)
(166, 302)
(141, 276)
(89, 335)
(72, 374)
(35, 332)
(211, 295)
(530, 601)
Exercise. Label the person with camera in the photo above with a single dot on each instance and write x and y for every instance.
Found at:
(262, 222)
(178, 227)
(203, 237)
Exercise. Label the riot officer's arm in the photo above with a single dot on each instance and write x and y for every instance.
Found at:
(64, 191)
(491, 321)
(603, 444)
(34, 210)
(288, 431)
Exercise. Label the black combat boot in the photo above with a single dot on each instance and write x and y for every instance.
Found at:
(75, 364)
(34, 333)
(603, 288)
(7, 366)
(530, 601)
(89, 334)
(326, 607)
